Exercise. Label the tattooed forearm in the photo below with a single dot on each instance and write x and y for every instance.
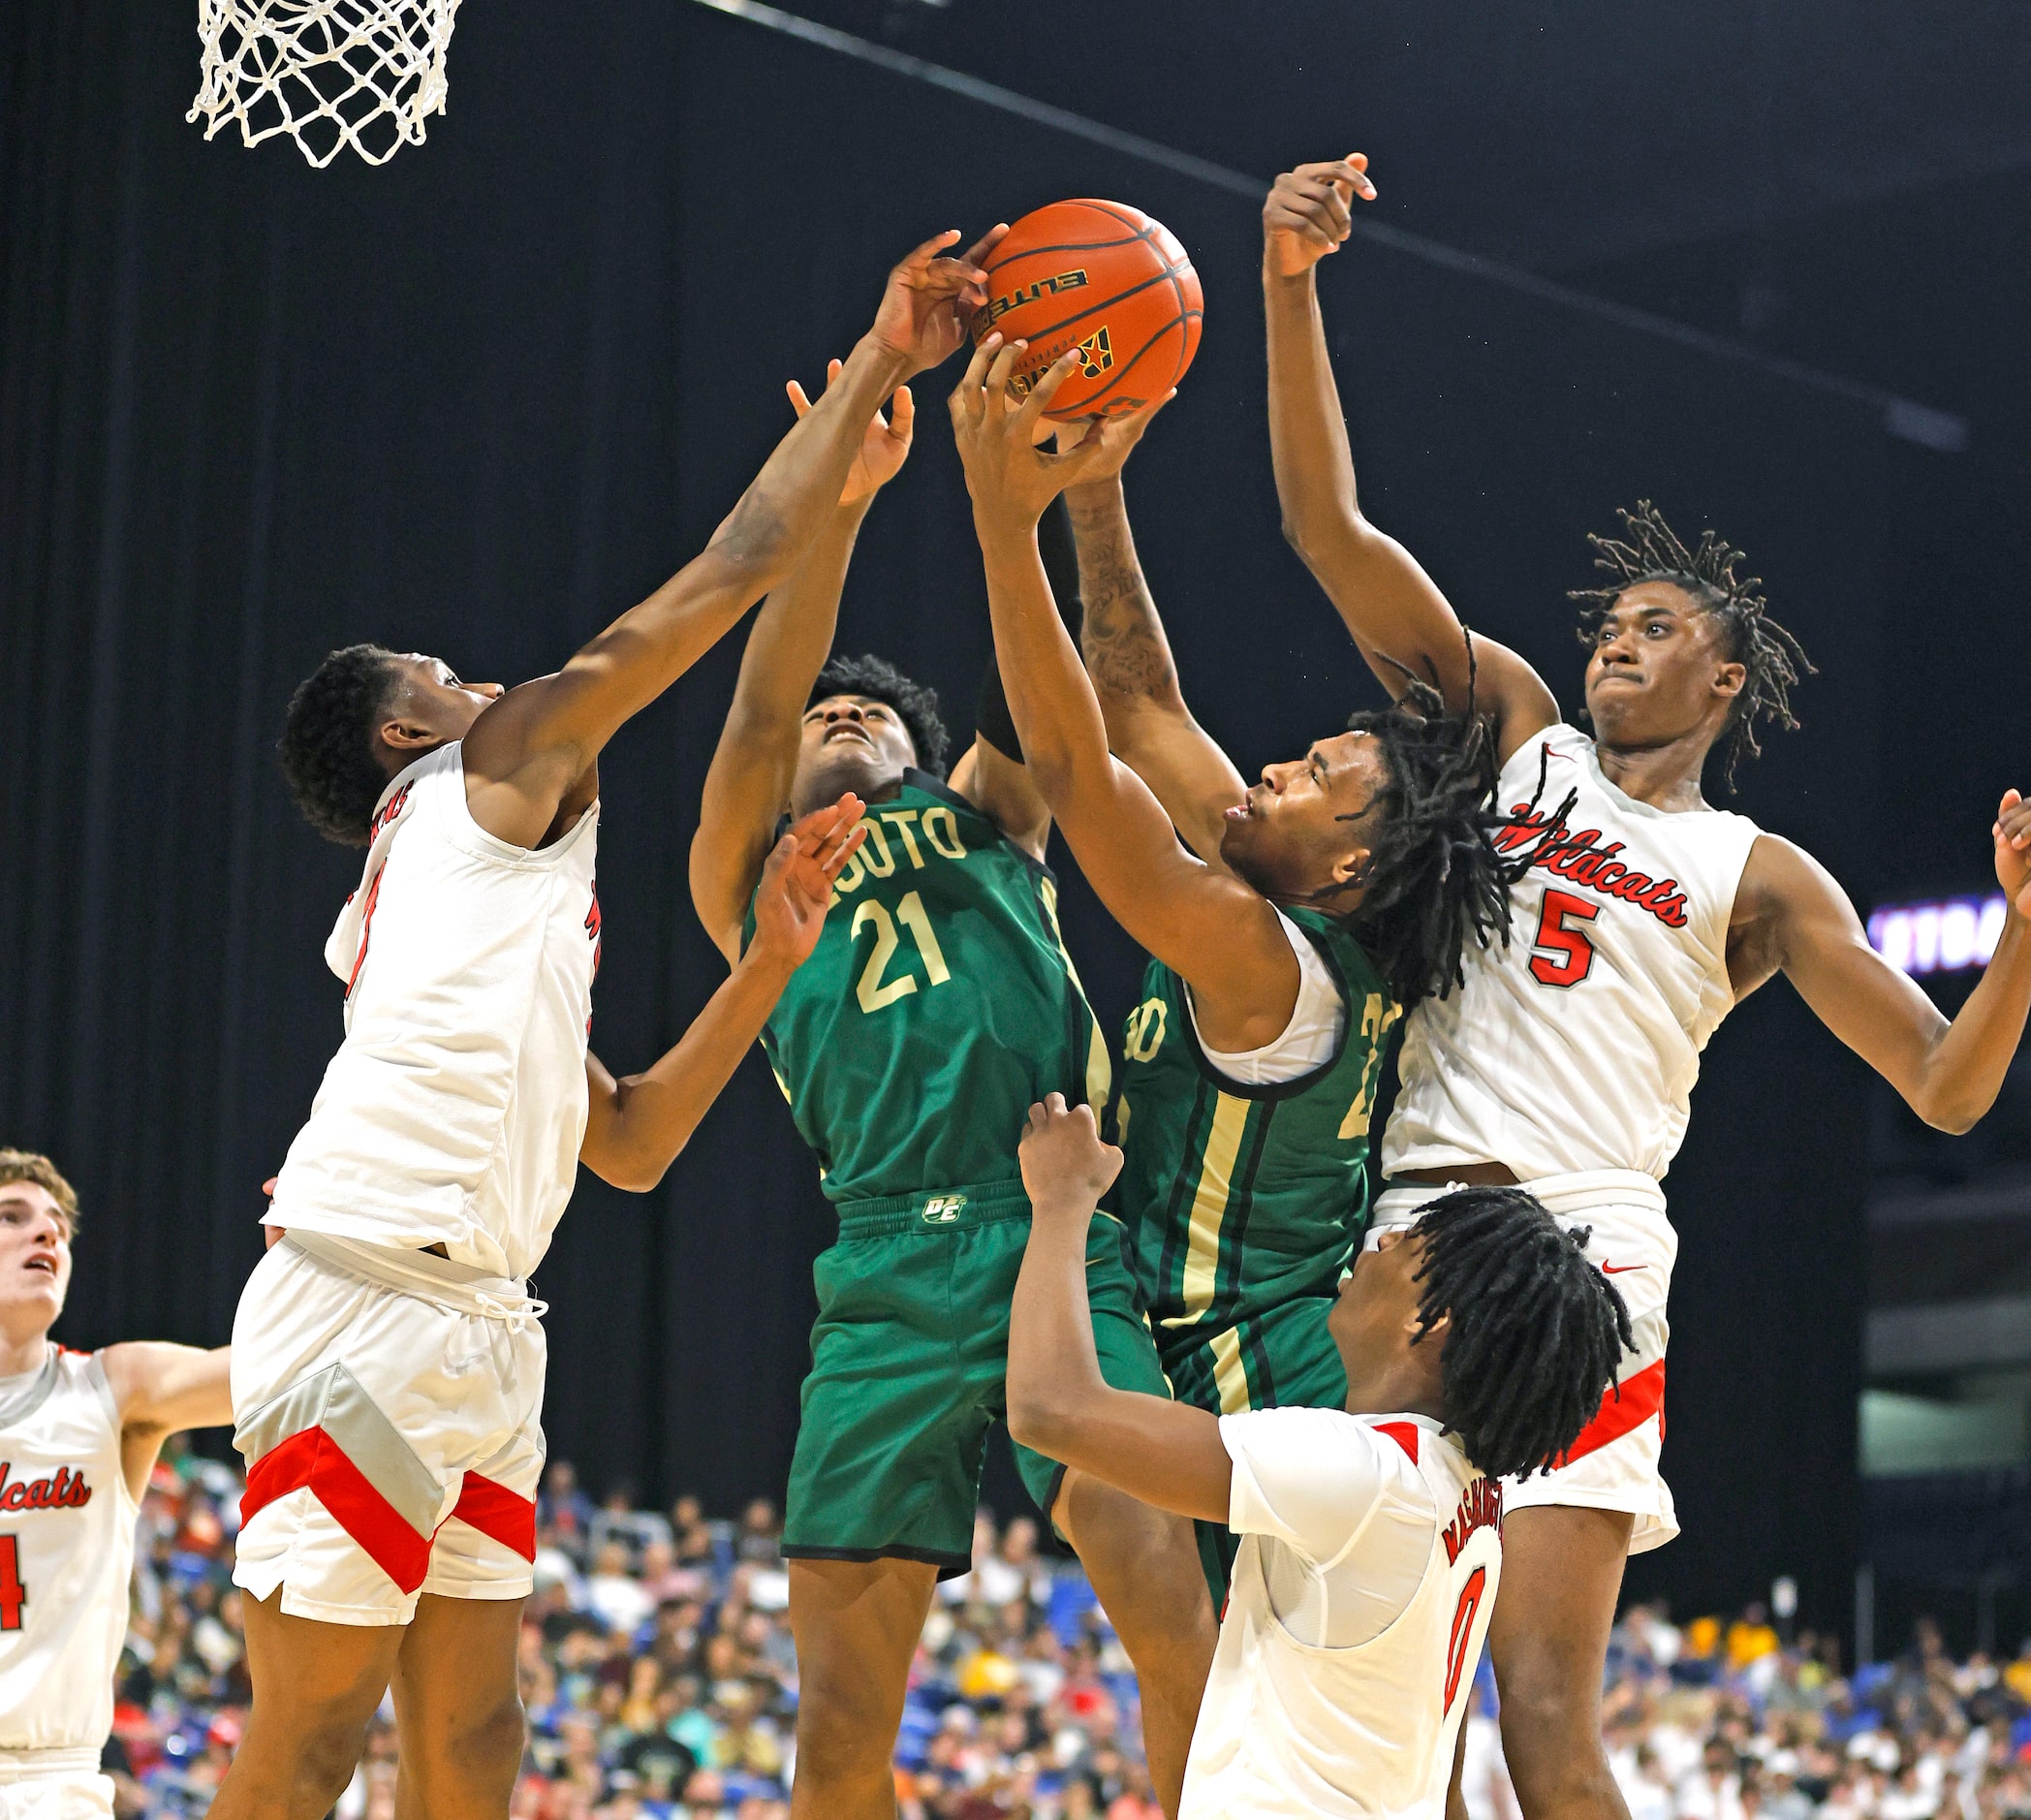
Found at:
(1122, 639)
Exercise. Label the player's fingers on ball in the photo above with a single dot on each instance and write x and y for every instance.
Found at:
(1047, 382)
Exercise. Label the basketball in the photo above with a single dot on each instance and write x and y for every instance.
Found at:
(1105, 279)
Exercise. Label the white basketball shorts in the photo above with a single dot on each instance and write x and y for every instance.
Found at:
(390, 1407)
(60, 1794)
(1614, 1464)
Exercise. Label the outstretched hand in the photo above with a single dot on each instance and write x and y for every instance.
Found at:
(1010, 479)
(795, 889)
(885, 446)
(1066, 1168)
(1310, 212)
(927, 309)
(2013, 837)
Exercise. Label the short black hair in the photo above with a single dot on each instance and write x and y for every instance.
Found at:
(916, 703)
(1434, 880)
(1771, 655)
(1537, 1333)
(328, 740)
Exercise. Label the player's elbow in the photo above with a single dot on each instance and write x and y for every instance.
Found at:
(755, 541)
(1316, 528)
(1038, 1419)
(1956, 1116)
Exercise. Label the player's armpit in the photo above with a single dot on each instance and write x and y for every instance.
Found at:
(1000, 787)
(1169, 1455)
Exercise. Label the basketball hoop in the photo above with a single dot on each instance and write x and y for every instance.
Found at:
(329, 73)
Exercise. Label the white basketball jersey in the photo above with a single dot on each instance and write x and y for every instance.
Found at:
(1290, 1727)
(1577, 1047)
(453, 1110)
(65, 1558)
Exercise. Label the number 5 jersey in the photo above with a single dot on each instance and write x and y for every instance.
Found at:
(1576, 1046)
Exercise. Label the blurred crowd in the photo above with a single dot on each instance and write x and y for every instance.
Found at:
(661, 1684)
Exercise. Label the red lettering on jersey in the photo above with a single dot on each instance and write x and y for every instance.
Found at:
(395, 804)
(64, 1489)
(366, 926)
(1480, 1508)
(592, 928)
(1593, 867)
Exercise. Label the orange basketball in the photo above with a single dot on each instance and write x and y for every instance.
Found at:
(1107, 279)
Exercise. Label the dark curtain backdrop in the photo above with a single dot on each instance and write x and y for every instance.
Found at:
(477, 401)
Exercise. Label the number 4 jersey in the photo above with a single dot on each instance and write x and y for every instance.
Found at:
(1576, 1046)
(939, 1006)
(65, 1555)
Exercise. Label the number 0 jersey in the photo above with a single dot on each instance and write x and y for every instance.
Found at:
(1241, 1198)
(66, 1556)
(938, 1007)
(1576, 1046)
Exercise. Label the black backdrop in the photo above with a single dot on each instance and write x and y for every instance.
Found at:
(478, 401)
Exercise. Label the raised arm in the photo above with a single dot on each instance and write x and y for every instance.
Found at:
(635, 1125)
(1796, 918)
(1135, 679)
(1395, 611)
(160, 1388)
(748, 784)
(1168, 1453)
(1222, 936)
(528, 750)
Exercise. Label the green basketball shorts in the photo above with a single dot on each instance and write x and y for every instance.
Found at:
(907, 1366)
(1281, 1357)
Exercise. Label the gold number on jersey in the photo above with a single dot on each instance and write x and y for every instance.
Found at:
(918, 923)
(1378, 1014)
(1145, 1034)
(869, 989)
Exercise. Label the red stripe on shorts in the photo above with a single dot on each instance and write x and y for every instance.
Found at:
(497, 1512)
(312, 1457)
(1629, 1405)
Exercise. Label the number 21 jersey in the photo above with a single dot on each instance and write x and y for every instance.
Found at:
(1577, 1047)
(939, 1005)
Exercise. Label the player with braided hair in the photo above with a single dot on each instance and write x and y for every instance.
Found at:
(1567, 1061)
(1309, 912)
(1737, 618)
(1476, 1343)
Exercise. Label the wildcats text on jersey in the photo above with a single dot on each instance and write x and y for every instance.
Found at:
(63, 1489)
(1577, 858)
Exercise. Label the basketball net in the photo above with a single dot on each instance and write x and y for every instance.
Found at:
(329, 73)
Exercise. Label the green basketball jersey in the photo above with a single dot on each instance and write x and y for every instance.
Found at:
(1242, 1198)
(939, 1005)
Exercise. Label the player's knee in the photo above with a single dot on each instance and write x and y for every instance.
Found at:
(845, 1729)
(490, 1744)
(327, 1743)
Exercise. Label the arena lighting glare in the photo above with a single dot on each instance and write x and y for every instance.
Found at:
(1946, 935)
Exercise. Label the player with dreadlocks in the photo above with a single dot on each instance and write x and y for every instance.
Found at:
(1567, 1061)
(1307, 913)
(1477, 1343)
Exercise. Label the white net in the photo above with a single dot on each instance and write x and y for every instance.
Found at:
(329, 73)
